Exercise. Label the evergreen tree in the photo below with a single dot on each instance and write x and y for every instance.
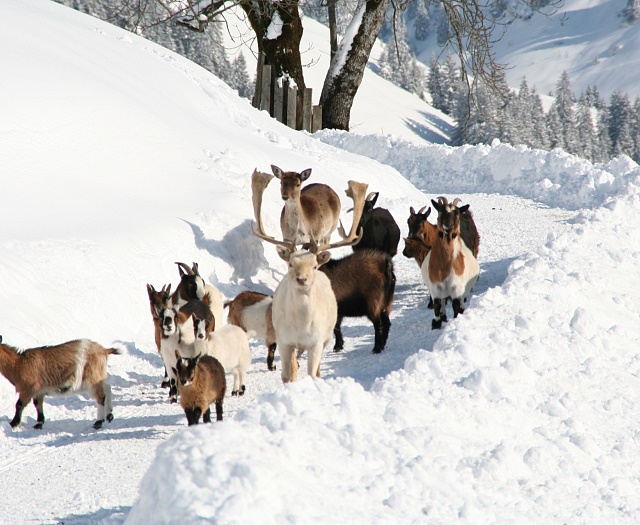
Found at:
(560, 119)
(540, 132)
(239, 79)
(620, 129)
(421, 21)
(635, 128)
(587, 139)
(399, 65)
(444, 84)
(631, 13)
(604, 140)
(593, 98)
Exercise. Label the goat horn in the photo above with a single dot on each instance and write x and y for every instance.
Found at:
(456, 201)
(421, 210)
(186, 268)
(371, 195)
(443, 200)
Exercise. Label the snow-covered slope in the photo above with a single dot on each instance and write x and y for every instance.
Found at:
(120, 158)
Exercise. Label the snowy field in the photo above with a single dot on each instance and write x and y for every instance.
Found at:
(120, 158)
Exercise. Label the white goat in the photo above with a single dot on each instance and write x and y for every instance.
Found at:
(75, 366)
(449, 270)
(229, 345)
(305, 310)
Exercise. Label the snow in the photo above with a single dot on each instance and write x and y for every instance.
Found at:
(120, 158)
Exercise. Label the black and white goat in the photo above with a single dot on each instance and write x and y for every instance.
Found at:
(192, 286)
(364, 285)
(449, 270)
(178, 334)
(379, 229)
(74, 366)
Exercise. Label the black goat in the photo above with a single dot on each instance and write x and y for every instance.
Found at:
(364, 285)
(379, 230)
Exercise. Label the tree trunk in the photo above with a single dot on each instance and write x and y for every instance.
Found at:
(340, 86)
(282, 52)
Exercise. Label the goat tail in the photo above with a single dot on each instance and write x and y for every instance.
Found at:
(389, 284)
(114, 351)
(227, 304)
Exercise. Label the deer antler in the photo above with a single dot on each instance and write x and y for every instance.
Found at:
(356, 191)
(259, 182)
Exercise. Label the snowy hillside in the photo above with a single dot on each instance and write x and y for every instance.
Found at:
(586, 38)
(120, 158)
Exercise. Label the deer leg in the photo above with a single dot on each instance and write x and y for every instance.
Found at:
(288, 362)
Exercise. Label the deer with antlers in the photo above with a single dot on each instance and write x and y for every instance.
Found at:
(305, 309)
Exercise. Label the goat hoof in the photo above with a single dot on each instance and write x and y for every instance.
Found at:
(337, 348)
(436, 325)
(234, 393)
(377, 350)
(242, 390)
(38, 426)
(272, 368)
(165, 384)
(98, 424)
(109, 418)
(14, 424)
(174, 400)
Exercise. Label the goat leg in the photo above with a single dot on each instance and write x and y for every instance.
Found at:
(337, 332)
(271, 354)
(38, 402)
(18, 416)
(206, 417)
(457, 307)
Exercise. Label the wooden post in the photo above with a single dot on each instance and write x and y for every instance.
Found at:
(306, 109)
(278, 103)
(257, 95)
(265, 87)
(292, 95)
(316, 119)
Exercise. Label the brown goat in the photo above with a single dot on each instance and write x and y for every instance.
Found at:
(75, 366)
(201, 381)
(364, 284)
(253, 311)
(157, 301)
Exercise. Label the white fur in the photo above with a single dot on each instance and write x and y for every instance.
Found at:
(175, 337)
(216, 298)
(230, 346)
(304, 315)
(254, 317)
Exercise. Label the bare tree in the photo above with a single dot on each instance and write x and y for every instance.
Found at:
(278, 30)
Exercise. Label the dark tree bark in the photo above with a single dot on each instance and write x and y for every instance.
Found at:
(340, 87)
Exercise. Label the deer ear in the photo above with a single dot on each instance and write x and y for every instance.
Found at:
(277, 171)
(284, 253)
(304, 175)
(323, 258)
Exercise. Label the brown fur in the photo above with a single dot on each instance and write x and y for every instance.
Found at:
(157, 301)
(208, 385)
(51, 370)
(415, 249)
(319, 206)
(236, 317)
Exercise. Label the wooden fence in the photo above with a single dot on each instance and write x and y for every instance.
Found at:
(280, 101)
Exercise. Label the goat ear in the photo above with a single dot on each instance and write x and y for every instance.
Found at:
(323, 258)
(464, 208)
(435, 205)
(168, 290)
(178, 356)
(411, 210)
(428, 212)
(277, 171)
(304, 175)
(194, 268)
(284, 253)
(374, 198)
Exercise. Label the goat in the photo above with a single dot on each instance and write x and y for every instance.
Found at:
(422, 235)
(364, 285)
(229, 345)
(309, 214)
(379, 229)
(177, 333)
(450, 270)
(193, 286)
(157, 300)
(252, 311)
(201, 381)
(74, 366)
(305, 310)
